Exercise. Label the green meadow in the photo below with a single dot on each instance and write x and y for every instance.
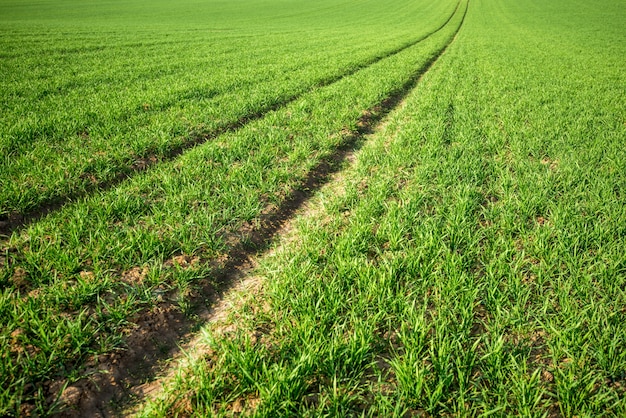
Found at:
(93, 90)
(468, 259)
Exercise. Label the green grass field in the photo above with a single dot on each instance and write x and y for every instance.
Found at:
(92, 91)
(470, 262)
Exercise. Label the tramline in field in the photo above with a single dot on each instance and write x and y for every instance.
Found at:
(74, 273)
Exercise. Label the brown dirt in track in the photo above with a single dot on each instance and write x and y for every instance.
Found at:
(121, 376)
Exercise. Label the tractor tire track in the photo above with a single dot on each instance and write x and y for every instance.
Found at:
(122, 375)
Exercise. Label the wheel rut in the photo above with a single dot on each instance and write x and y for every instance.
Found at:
(120, 378)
